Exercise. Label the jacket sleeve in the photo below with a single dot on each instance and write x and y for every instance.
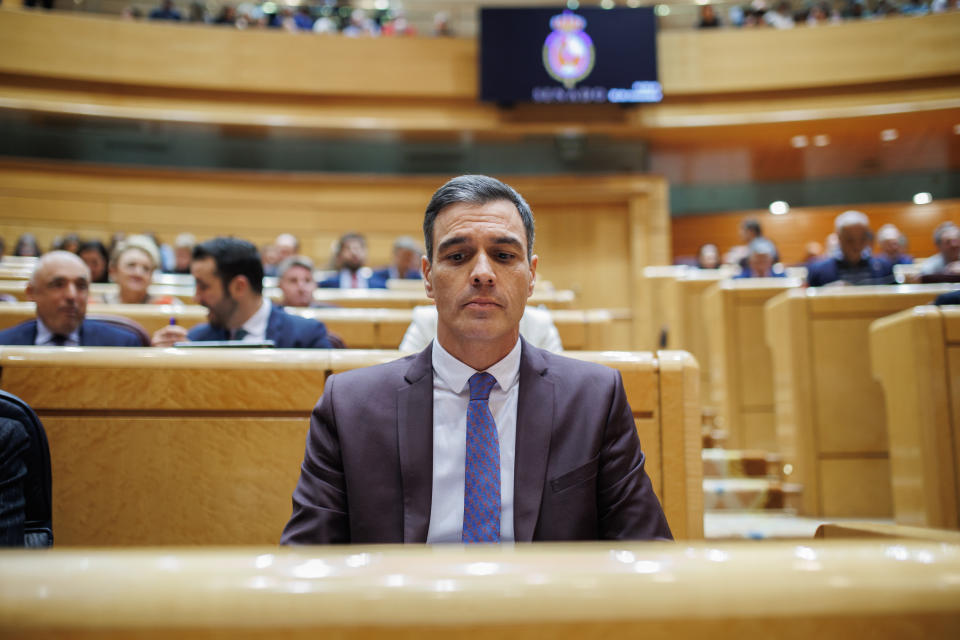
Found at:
(320, 498)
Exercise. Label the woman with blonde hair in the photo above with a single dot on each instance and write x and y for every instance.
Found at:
(131, 266)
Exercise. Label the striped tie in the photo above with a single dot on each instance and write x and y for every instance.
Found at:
(481, 495)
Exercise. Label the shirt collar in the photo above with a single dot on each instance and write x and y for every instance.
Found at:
(44, 335)
(256, 325)
(456, 374)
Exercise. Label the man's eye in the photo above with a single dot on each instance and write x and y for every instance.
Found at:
(455, 257)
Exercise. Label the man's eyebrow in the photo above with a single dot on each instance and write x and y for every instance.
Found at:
(511, 240)
(450, 242)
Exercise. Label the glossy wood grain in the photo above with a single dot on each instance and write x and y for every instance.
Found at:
(829, 589)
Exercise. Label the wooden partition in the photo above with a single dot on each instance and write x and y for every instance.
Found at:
(831, 422)
(687, 319)
(203, 447)
(916, 357)
(595, 234)
(359, 328)
(741, 368)
(824, 589)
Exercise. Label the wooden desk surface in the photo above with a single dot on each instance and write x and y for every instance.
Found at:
(824, 589)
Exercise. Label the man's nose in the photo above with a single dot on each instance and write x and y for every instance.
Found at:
(71, 291)
(482, 273)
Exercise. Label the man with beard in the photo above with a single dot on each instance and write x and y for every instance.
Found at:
(60, 287)
(229, 279)
(350, 260)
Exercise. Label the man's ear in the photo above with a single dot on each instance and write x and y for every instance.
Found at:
(426, 270)
(30, 292)
(239, 286)
(533, 273)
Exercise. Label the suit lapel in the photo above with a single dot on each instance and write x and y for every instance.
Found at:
(535, 406)
(415, 441)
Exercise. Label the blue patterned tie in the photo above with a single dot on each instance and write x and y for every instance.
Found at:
(481, 495)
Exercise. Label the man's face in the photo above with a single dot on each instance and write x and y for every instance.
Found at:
(133, 272)
(889, 244)
(285, 247)
(60, 289)
(210, 293)
(353, 254)
(405, 260)
(853, 240)
(480, 278)
(297, 285)
(95, 262)
(950, 245)
(760, 264)
(182, 256)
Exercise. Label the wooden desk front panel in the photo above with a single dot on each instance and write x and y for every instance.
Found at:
(831, 421)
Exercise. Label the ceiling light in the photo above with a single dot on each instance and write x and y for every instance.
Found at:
(633, 4)
(573, 5)
(799, 142)
(606, 4)
(662, 10)
(821, 140)
(889, 135)
(923, 197)
(779, 207)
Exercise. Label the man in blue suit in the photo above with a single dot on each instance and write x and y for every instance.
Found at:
(854, 264)
(351, 258)
(60, 286)
(229, 277)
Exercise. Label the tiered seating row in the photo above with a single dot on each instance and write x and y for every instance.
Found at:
(193, 447)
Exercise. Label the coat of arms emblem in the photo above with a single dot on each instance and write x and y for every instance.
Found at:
(568, 52)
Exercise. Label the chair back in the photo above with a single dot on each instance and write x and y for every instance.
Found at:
(37, 489)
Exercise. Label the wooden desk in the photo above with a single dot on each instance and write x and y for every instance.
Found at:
(741, 368)
(831, 422)
(360, 328)
(916, 357)
(824, 589)
(201, 447)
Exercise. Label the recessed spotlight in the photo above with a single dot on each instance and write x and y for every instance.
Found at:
(633, 4)
(923, 197)
(662, 10)
(821, 140)
(779, 207)
(573, 5)
(889, 135)
(607, 4)
(702, 2)
(799, 142)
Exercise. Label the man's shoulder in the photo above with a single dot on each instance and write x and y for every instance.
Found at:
(205, 333)
(100, 334)
(22, 334)
(377, 375)
(564, 367)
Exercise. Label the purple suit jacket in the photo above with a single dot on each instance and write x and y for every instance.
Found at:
(367, 473)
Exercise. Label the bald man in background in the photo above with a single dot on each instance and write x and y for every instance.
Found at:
(60, 287)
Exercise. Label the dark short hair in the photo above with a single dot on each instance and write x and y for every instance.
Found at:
(476, 190)
(351, 235)
(940, 230)
(234, 257)
(753, 225)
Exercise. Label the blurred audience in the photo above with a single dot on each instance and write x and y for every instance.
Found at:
(855, 264)
(182, 251)
(350, 258)
(405, 262)
(947, 239)
(708, 256)
(891, 244)
(708, 17)
(760, 260)
(131, 267)
(27, 246)
(166, 11)
(95, 255)
(296, 282)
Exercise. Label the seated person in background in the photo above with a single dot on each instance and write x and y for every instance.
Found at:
(812, 251)
(750, 230)
(297, 283)
(60, 286)
(947, 238)
(166, 11)
(854, 264)
(286, 245)
(69, 242)
(350, 258)
(892, 243)
(95, 255)
(480, 437)
(405, 262)
(536, 327)
(183, 252)
(952, 297)
(760, 254)
(229, 278)
(131, 267)
(708, 256)
(27, 246)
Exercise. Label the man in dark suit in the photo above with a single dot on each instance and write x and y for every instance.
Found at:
(480, 437)
(60, 286)
(352, 272)
(404, 263)
(229, 280)
(855, 264)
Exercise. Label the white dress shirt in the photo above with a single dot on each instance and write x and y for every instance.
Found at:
(451, 395)
(256, 325)
(45, 336)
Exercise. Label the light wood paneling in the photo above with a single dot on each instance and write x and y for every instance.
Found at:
(595, 233)
(917, 363)
(195, 447)
(741, 375)
(828, 407)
